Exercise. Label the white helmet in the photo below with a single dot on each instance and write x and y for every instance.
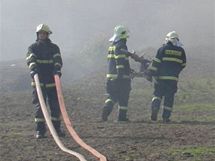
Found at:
(120, 32)
(43, 27)
(172, 35)
(173, 38)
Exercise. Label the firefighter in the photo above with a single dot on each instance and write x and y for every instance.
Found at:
(165, 70)
(118, 84)
(44, 58)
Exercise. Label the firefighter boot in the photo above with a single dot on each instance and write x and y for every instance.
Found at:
(40, 130)
(122, 115)
(154, 114)
(58, 128)
(166, 114)
(166, 120)
(106, 112)
(39, 135)
(155, 108)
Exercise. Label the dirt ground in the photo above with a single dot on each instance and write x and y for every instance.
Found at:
(186, 138)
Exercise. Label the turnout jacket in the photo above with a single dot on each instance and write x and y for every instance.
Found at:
(44, 57)
(168, 63)
(118, 61)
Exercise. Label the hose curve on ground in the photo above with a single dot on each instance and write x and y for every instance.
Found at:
(49, 122)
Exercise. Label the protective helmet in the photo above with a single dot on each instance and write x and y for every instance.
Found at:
(120, 32)
(172, 35)
(43, 27)
(173, 38)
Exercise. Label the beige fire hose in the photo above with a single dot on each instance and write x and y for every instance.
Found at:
(49, 122)
(69, 124)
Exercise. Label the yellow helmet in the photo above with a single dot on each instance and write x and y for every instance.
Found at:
(120, 32)
(43, 27)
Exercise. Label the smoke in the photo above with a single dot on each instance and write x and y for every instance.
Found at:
(1, 30)
(76, 22)
(82, 29)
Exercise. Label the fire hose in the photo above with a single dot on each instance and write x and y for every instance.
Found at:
(49, 122)
(68, 123)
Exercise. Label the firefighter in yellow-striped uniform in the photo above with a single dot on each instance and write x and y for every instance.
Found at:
(44, 58)
(118, 77)
(165, 70)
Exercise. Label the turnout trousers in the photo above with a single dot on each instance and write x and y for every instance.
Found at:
(50, 96)
(118, 92)
(164, 89)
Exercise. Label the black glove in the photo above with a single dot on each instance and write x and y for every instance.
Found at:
(33, 72)
(58, 72)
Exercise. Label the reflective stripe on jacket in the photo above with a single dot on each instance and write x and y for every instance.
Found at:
(168, 63)
(118, 61)
(44, 57)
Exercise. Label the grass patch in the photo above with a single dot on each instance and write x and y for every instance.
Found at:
(200, 90)
(192, 152)
(195, 107)
(195, 112)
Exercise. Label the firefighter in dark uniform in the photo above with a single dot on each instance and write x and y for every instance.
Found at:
(44, 58)
(118, 83)
(165, 70)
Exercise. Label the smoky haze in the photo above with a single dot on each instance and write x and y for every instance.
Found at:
(75, 23)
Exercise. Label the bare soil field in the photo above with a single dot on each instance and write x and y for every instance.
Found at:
(190, 136)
